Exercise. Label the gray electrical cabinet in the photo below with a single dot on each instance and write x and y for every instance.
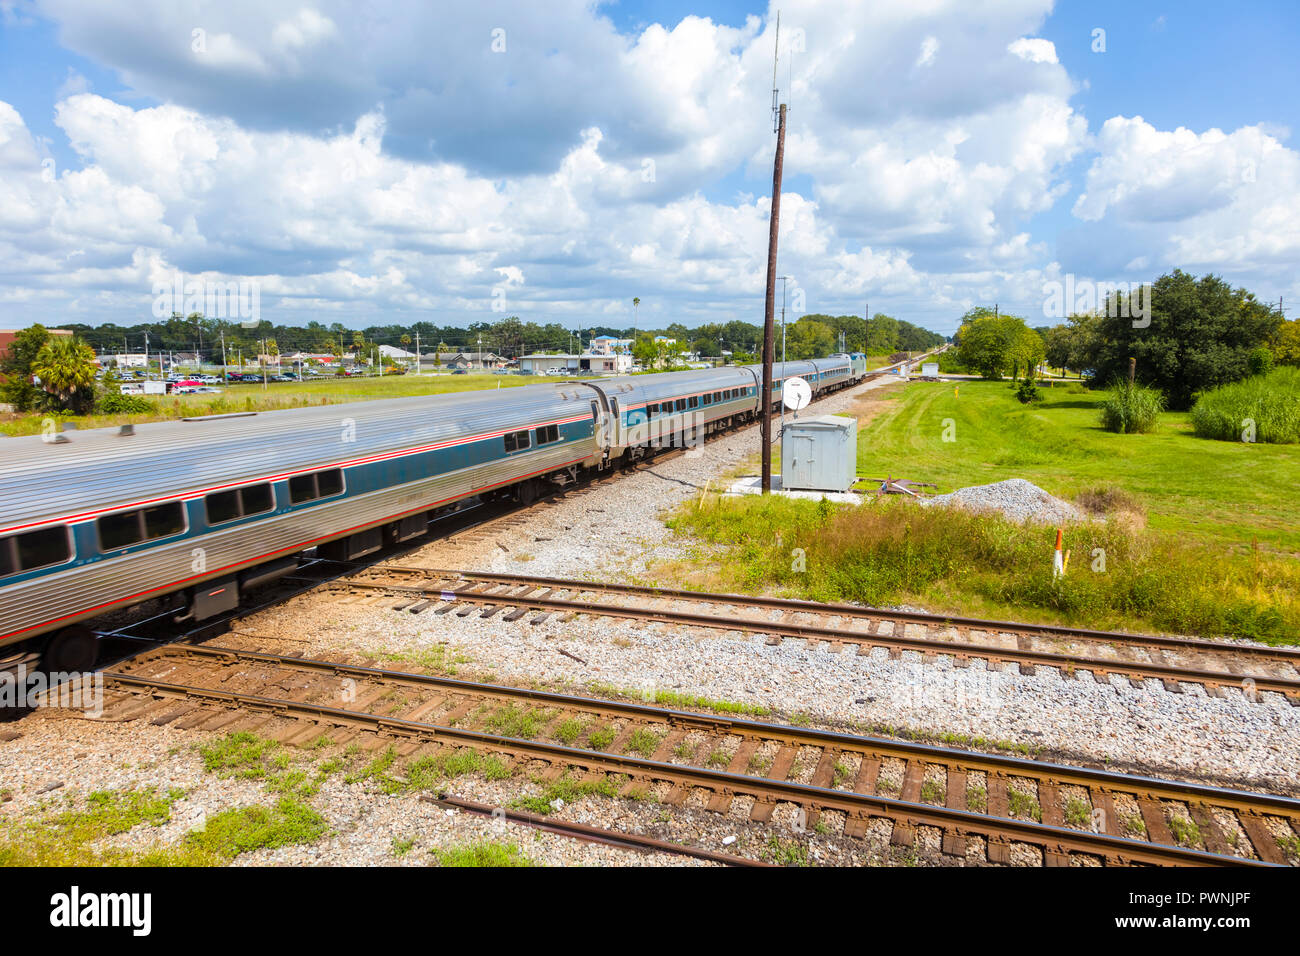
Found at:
(819, 453)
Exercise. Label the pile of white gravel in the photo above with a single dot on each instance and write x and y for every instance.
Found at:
(1017, 499)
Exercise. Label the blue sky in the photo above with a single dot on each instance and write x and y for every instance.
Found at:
(937, 160)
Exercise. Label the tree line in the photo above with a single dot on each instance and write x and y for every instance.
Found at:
(1195, 334)
(807, 337)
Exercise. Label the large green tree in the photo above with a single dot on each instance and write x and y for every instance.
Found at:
(995, 344)
(1197, 334)
(16, 386)
(1286, 343)
(65, 366)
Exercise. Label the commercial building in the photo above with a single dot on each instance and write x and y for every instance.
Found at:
(585, 364)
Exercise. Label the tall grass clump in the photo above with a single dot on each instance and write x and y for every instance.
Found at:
(890, 551)
(1131, 408)
(1263, 408)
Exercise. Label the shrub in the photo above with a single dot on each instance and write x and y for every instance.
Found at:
(1027, 391)
(1131, 408)
(1260, 361)
(125, 404)
(1265, 408)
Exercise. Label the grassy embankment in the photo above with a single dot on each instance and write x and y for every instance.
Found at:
(278, 395)
(1202, 536)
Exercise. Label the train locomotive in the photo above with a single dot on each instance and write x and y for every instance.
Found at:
(199, 511)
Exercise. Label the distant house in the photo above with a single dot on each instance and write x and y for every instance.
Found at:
(476, 360)
(396, 354)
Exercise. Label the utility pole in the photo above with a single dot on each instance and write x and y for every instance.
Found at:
(784, 280)
(770, 303)
(223, 357)
(417, 351)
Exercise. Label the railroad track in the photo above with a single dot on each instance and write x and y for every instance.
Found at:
(981, 808)
(1253, 670)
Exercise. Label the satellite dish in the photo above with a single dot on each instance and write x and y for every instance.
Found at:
(796, 393)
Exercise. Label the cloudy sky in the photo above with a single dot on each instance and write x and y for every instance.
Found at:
(394, 161)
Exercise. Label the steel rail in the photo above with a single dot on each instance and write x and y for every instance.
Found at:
(1160, 641)
(1064, 662)
(1066, 774)
(1051, 839)
(591, 834)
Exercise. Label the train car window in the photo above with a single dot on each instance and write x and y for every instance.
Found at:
(302, 488)
(126, 528)
(517, 441)
(257, 499)
(319, 484)
(329, 482)
(547, 434)
(681, 404)
(163, 520)
(222, 506)
(694, 401)
(119, 531)
(34, 549)
(652, 410)
(717, 396)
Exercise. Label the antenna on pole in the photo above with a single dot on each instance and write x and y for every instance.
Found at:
(776, 55)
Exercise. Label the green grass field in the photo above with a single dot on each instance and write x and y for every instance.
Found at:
(1222, 493)
(1201, 536)
(277, 395)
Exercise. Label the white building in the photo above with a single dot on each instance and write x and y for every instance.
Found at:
(585, 364)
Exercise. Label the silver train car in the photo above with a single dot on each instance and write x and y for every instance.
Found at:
(197, 512)
(209, 507)
(674, 409)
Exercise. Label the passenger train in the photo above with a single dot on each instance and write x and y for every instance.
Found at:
(198, 511)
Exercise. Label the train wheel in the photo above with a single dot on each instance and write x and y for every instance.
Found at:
(72, 649)
(527, 493)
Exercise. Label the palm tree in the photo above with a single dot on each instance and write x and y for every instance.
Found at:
(65, 366)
